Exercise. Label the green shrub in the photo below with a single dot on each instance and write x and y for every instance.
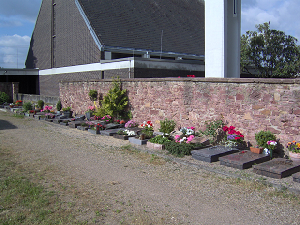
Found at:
(167, 126)
(93, 94)
(41, 104)
(67, 109)
(159, 139)
(179, 149)
(27, 106)
(58, 106)
(211, 130)
(263, 137)
(115, 102)
(3, 97)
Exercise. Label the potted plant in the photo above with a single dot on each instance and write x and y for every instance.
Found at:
(93, 94)
(58, 107)
(27, 106)
(294, 149)
(67, 112)
(95, 129)
(262, 139)
(90, 112)
(146, 134)
(233, 138)
(107, 119)
(40, 104)
(147, 131)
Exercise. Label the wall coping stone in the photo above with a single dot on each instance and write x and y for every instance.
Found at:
(201, 79)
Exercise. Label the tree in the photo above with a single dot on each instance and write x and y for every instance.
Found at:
(271, 52)
(115, 103)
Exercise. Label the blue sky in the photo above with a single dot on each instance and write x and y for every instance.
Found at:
(17, 19)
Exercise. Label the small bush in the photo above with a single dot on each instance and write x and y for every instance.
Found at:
(27, 106)
(58, 106)
(167, 126)
(93, 94)
(41, 104)
(263, 137)
(179, 149)
(3, 97)
(159, 139)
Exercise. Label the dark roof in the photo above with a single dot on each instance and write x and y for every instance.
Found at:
(138, 24)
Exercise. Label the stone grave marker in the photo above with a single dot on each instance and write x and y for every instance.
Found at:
(277, 168)
(212, 154)
(243, 160)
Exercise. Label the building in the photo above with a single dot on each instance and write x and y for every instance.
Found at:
(97, 39)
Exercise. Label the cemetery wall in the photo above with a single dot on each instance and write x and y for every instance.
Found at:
(250, 105)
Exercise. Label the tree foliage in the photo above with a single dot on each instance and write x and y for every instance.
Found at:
(271, 52)
(115, 103)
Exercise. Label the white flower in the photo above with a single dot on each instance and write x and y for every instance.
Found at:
(130, 133)
(181, 140)
(273, 143)
(266, 151)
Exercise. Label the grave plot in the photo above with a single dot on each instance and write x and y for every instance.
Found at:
(243, 160)
(110, 132)
(277, 168)
(212, 154)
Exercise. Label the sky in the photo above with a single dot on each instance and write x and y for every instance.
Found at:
(17, 20)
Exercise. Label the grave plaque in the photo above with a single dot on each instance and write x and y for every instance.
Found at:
(110, 132)
(277, 168)
(213, 153)
(243, 160)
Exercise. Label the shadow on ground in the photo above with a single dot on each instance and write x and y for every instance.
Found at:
(5, 125)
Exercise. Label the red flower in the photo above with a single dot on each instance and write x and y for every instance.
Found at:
(225, 128)
(231, 132)
(231, 128)
(237, 138)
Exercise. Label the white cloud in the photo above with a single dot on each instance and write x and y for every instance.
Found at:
(283, 15)
(13, 51)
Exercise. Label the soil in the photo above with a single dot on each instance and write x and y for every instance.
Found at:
(104, 180)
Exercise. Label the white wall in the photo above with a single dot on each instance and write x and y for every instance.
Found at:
(222, 38)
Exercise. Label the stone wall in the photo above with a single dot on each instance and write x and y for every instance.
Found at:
(250, 105)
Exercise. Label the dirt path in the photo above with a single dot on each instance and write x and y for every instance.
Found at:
(104, 181)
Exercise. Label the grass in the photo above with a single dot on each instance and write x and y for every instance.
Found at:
(24, 202)
(145, 157)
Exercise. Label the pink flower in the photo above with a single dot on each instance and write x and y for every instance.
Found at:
(190, 138)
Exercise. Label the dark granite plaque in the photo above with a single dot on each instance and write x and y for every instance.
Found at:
(75, 124)
(212, 154)
(110, 132)
(277, 168)
(84, 128)
(243, 160)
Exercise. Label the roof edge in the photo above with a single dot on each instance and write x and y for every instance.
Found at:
(88, 24)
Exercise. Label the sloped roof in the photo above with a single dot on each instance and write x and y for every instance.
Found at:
(140, 24)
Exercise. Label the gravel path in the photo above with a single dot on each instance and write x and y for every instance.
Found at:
(106, 181)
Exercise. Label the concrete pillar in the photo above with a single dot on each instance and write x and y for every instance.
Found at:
(222, 38)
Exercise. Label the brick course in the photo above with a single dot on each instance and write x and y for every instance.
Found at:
(250, 105)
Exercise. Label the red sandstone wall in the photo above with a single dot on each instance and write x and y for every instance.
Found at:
(250, 105)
